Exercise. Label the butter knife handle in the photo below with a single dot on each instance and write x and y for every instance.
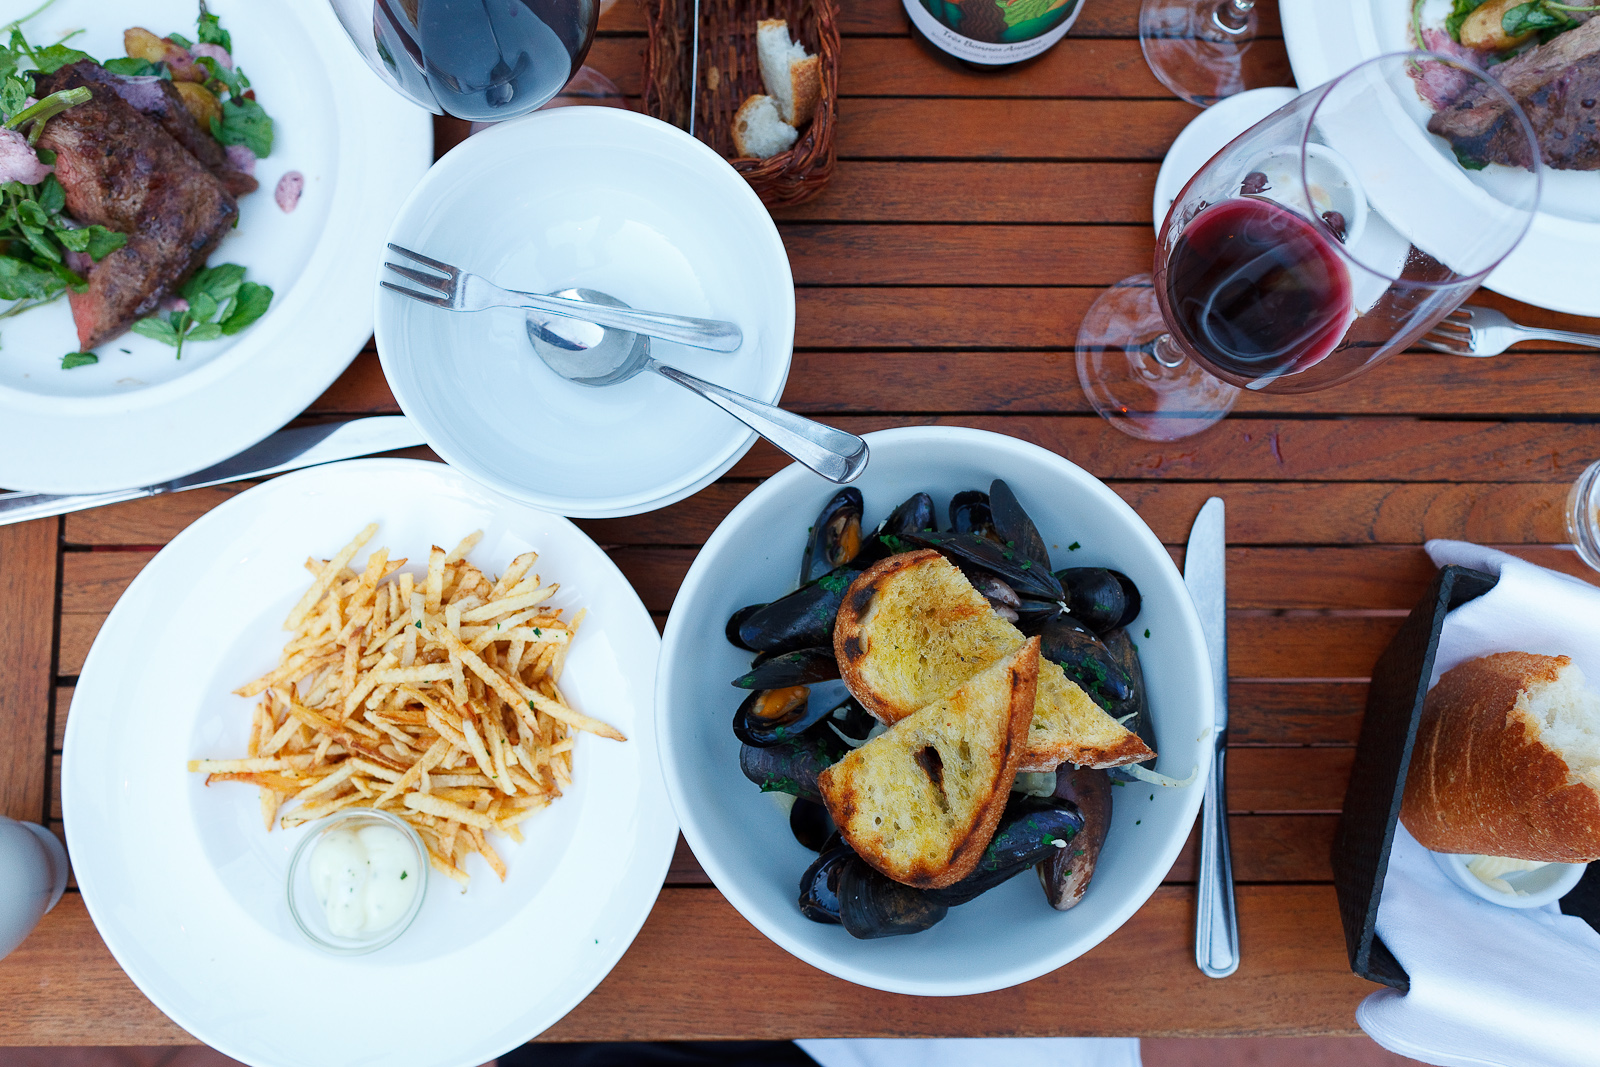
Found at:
(23, 507)
(1216, 935)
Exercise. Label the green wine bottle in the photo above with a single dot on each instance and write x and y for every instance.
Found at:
(992, 33)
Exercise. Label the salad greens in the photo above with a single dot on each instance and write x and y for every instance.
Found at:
(1548, 17)
(220, 304)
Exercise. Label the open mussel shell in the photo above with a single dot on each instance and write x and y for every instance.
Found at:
(738, 619)
(969, 513)
(1065, 874)
(793, 766)
(772, 716)
(874, 905)
(1030, 830)
(819, 885)
(804, 667)
(975, 552)
(810, 823)
(914, 515)
(803, 619)
(1099, 598)
(835, 538)
(1014, 528)
(1088, 662)
(1120, 644)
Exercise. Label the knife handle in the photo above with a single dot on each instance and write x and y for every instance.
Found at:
(1216, 931)
(23, 507)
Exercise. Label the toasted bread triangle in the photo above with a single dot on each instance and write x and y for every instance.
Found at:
(920, 802)
(912, 628)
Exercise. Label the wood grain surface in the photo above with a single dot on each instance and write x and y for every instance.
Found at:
(972, 219)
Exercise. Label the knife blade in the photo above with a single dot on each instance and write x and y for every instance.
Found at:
(286, 450)
(1216, 934)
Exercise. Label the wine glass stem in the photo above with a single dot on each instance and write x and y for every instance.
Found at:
(1233, 16)
(1165, 351)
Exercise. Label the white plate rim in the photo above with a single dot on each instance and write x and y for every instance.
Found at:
(282, 363)
(789, 480)
(653, 874)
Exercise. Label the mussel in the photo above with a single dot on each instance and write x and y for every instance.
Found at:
(1087, 662)
(819, 885)
(791, 668)
(1101, 599)
(835, 538)
(1065, 874)
(738, 619)
(914, 515)
(803, 619)
(1031, 829)
(793, 766)
(1014, 528)
(973, 551)
(969, 513)
(772, 716)
(874, 905)
(810, 823)
(1001, 597)
(1120, 644)
(851, 721)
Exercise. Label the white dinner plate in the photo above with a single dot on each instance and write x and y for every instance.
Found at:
(596, 198)
(1552, 266)
(139, 416)
(187, 888)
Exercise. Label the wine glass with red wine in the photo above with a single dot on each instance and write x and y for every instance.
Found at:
(482, 60)
(1320, 242)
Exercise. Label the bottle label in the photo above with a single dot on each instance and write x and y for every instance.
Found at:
(993, 32)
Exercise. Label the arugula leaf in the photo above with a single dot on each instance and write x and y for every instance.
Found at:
(71, 278)
(217, 283)
(180, 40)
(78, 359)
(210, 29)
(1458, 15)
(51, 59)
(249, 306)
(14, 94)
(221, 303)
(244, 122)
(232, 80)
(130, 66)
(1525, 18)
(52, 197)
(157, 329)
(98, 241)
(203, 331)
(21, 280)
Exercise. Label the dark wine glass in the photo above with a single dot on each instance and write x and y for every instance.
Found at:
(482, 60)
(1321, 241)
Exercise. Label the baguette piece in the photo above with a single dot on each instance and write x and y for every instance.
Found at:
(912, 628)
(920, 802)
(1507, 762)
(793, 78)
(758, 129)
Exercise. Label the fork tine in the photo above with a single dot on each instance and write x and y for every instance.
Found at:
(1453, 329)
(443, 268)
(431, 281)
(1461, 314)
(1445, 345)
(436, 301)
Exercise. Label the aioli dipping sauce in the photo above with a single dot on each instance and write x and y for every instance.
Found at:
(365, 878)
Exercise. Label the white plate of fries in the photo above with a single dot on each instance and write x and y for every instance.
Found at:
(477, 692)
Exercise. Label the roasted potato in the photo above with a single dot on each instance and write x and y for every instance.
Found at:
(201, 104)
(1485, 31)
(140, 43)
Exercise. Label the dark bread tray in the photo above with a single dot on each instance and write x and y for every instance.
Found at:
(1372, 800)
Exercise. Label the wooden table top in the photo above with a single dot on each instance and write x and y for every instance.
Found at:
(940, 279)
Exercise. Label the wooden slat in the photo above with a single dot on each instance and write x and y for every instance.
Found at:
(62, 986)
(913, 254)
(28, 554)
(963, 191)
(902, 128)
(63, 701)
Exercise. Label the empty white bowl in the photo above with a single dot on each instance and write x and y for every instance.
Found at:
(742, 839)
(596, 198)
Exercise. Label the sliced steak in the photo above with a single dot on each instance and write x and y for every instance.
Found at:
(155, 98)
(123, 171)
(1558, 86)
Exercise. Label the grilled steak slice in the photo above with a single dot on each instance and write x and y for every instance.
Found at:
(1558, 86)
(155, 98)
(122, 171)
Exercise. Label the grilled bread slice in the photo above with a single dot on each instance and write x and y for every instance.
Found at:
(912, 628)
(920, 802)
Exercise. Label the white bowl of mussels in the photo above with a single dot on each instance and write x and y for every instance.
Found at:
(749, 707)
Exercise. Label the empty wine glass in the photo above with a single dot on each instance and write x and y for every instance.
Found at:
(1583, 515)
(1197, 47)
(1321, 241)
(481, 60)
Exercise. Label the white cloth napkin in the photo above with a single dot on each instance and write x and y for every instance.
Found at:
(976, 1052)
(1492, 986)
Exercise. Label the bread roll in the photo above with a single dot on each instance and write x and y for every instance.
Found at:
(792, 77)
(758, 129)
(1507, 762)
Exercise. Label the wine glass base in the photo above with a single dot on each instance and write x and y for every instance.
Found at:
(1136, 392)
(1190, 52)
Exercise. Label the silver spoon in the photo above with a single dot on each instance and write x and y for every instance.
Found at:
(594, 355)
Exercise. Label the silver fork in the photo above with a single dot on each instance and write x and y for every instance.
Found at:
(1477, 331)
(461, 290)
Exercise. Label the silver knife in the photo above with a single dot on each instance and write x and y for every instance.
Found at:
(286, 450)
(1216, 928)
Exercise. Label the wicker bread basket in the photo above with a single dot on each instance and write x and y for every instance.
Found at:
(729, 73)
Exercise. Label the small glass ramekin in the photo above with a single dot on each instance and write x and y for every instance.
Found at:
(308, 913)
(1583, 515)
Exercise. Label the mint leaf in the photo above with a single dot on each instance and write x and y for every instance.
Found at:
(210, 29)
(219, 283)
(251, 304)
(203, 331)
(52, 197)
(179, 39)
(244, 122)
(130, 67)
(98, 241)
(232, 80)
(21, 280)
(51, 59)
(157, 329)
(78, 359)
(203, 307)
(1525, 18)
(69, 277)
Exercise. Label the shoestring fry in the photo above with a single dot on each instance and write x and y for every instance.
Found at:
(435, 699)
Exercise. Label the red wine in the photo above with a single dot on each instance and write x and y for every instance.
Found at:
(1255, 291)
(484, 60)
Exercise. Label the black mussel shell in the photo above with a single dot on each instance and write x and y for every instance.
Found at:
(1033, 614)
(1065, 874)
(1088, 662)
(913, 516)
(1101, 599)
(1027, 579)
(969, 513)
(803, 619)
(793, 766)
(1120, 644)
(1013, 526)
(994, 589)
(1031, 829)
(773, 716)
(810, 823)
(873, 905)
(835, 538)
(851, 720)
(804, 667)
(738, 619)
(819, 886)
